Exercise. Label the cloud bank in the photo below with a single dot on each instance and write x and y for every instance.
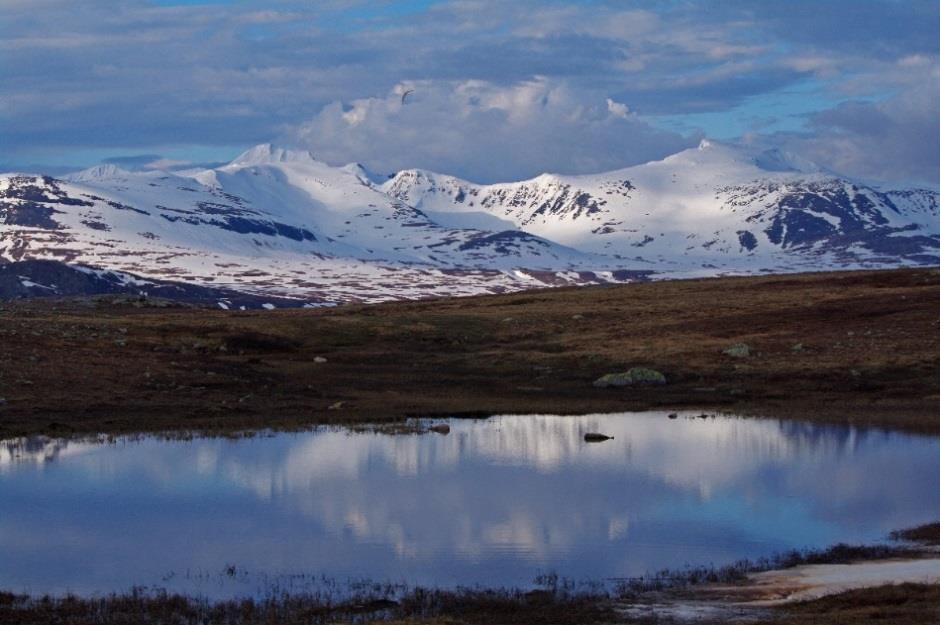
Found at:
(853, 84)
(485, 131)
(895, 140)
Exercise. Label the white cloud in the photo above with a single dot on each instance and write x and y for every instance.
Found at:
(618, 109)
(486, 132)
(166, 163)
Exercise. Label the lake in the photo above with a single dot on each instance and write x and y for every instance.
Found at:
(494, 502)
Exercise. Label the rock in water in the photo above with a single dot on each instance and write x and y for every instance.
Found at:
(594, 437)
(440, 428)
(632, 377)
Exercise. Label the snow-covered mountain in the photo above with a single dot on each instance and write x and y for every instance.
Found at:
(712, 209)
(274, 222)
(278, 223)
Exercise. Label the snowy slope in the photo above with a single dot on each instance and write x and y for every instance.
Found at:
(272, 221)
(705, 210)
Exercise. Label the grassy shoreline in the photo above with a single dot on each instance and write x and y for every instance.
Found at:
(845, 347)
(553, 600)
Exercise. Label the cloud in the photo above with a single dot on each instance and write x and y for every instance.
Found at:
(486, 132)
(133, 74)
(141, 76)
(146, 162)
(894, 139)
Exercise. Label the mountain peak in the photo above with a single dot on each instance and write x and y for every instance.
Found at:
(266, 153)
(736, 155)
(98, 172)
(364, 175)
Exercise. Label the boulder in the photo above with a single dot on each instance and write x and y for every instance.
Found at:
(738, 350)
(594, 437)
(637, 376)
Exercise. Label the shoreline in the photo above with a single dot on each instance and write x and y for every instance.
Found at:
(765, 595)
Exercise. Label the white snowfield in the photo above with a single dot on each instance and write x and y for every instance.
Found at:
(819, 580)
(278, 222)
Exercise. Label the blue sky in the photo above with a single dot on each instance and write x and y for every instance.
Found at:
(502, 90)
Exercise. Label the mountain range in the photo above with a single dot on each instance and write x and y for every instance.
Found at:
(277, 227)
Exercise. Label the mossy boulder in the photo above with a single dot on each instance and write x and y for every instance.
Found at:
(738, 350)
(637, 376)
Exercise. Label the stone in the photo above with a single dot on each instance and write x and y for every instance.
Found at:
(637, 376)
(738, 350)
(594, 437)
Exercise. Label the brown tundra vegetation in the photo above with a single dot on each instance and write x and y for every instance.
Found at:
(852, 347)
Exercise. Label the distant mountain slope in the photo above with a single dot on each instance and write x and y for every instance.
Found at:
(278, 223)
(48, 278)
(271, 222)
(704, 210)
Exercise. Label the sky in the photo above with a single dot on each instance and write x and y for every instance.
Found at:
(498, 90)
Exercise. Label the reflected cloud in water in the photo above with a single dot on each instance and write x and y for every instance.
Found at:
(494, 502)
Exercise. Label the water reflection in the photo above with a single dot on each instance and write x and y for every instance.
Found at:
(493, 502)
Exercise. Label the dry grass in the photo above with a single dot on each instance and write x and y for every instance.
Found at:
(860, 347)
(928, 534)
(419, 606)
(903, 604)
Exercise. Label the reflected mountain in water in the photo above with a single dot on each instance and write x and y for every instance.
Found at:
(38, 450)
(493, 502)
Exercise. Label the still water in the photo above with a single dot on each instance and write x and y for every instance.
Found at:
(495, 502)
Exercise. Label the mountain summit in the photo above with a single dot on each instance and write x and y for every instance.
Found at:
(266, 153)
